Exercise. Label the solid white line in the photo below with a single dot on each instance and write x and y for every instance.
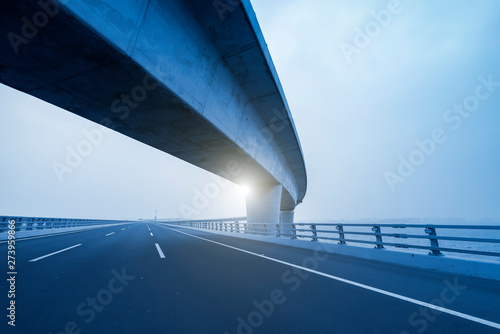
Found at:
(160, 251)
(363, 286)
(109, 234)
(56, 234)
(60, 251)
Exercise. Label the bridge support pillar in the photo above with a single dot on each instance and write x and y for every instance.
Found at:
(263, 207)
(286, 221)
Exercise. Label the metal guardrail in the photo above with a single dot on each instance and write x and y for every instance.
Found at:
(39, 223)
(345, 234)
(181, 221)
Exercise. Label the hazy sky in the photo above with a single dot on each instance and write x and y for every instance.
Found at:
(397, 106)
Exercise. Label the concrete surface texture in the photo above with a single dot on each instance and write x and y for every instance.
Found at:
(181, 76)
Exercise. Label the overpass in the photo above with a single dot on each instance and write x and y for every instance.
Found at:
(192, 78)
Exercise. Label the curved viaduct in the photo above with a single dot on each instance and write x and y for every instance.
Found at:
(192, 78)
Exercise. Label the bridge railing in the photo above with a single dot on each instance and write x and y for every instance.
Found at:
(40, 223)
(465, 239)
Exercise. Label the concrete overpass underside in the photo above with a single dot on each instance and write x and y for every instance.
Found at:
(189, 78)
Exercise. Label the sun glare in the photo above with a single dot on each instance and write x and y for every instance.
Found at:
(245, 189)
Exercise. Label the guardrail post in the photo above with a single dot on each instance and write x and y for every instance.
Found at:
(315, 234)
(380, 244)
(294, 232)
(340, 228)
(278, 230)
(431, 231)
(237, 226)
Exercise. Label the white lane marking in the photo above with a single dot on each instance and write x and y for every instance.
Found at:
(151, 233)
(109, 234)
(56, 234)
(60, 251)
(123, 229)
(160, 251)
(360, 285)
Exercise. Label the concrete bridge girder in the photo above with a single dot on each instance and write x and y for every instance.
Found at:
(216, 101)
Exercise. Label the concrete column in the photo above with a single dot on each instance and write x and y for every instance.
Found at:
(263, 206)
(286, 221)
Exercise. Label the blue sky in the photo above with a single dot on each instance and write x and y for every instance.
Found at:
(357, 115)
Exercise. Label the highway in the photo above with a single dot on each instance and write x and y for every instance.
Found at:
(154, 278)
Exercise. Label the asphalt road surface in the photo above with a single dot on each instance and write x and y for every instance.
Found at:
(153, 278)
